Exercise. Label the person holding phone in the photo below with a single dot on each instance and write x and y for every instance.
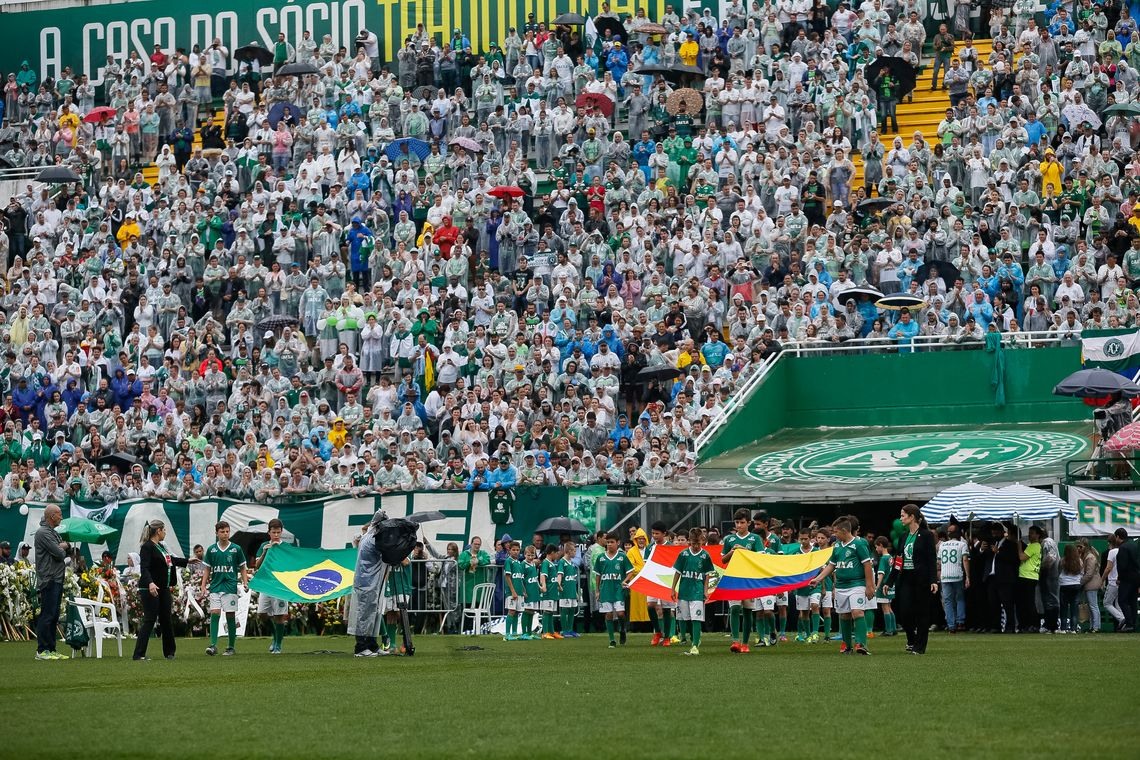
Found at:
(156, 566)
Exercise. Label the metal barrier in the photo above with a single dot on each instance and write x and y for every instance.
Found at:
(736, 401)
(924, 343)
(440, 588)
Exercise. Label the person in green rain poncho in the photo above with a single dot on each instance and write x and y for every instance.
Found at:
(474, 568)
(427, 326)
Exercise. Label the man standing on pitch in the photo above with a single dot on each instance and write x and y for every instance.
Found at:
(51, 551)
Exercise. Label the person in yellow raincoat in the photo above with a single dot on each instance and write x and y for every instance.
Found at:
(638, 610)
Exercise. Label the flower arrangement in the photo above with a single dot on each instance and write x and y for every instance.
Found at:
(331, 617)
(17, 597)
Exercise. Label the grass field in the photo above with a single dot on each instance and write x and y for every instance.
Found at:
(971, 696)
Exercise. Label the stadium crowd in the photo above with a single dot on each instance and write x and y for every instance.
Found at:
(454, 270)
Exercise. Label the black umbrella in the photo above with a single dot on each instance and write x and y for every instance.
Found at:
(571, 19)
(297, 70)
(947, 271)
(58, 173)
(278, 322)
(900, 301)
(559, 525)
(615, 27)
(670, 72)
(659, 372)
(120, 461)
(1094, 383)
(254, 53)
(852, 293)
(872, 205)
(902, 71)
(278, 112)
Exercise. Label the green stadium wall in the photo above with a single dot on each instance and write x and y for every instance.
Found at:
(893, 390)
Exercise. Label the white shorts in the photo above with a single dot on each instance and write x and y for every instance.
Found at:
(268, 605)
(827, 600)
(765, 603)
(806, 601)
(514, 605)
(665, 604)
(748, 604)
(851, 599)
(530, 607)
(567, 604)
(223, 602)
(691, 611)
(392, 602)
(782, 599)
(605, 607)
(548, 605)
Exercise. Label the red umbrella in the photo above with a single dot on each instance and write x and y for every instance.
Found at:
(596, 100)
(1126, 439)
(100, 114)
(507, 191)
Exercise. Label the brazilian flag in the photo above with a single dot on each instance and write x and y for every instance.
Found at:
(305, 575)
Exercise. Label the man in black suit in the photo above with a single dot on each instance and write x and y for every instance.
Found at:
(1001, 578)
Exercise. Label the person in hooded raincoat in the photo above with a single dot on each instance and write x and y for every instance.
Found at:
(366, 611)
(638, 608)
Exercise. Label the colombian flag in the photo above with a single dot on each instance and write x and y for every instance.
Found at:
(305, 575)
(751, 574)
(748, 574)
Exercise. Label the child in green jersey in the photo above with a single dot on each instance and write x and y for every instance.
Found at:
(807, 600)
(514, 590)
(277, 610)
(664, 632)
(225, 567)
(568, 590)
(740, 611)
(884, 594)
(766, 605)
(548, 583)
(397, 592)
(850, 563)
(533, 593)
(614, 571)
(823, 539)
(690, 586)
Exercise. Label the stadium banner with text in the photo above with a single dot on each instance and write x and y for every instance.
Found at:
(324, 523)
(1100, 513)
(82, 36)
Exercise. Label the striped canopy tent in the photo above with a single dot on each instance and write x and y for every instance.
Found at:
(1018, 502)
(1126, 439)
(954, 502)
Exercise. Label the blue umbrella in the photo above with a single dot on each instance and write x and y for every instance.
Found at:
(277, 112)
(418, 148)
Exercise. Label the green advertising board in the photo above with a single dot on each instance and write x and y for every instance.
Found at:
(329, 523)
(82, 36)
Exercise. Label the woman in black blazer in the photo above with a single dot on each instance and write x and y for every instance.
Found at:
(916, 578)
(156, 566)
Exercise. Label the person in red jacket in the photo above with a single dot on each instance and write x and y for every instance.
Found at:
(445, 236)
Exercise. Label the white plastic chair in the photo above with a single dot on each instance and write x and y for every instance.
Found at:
(480, 610)
(105, 595)
(97, 627)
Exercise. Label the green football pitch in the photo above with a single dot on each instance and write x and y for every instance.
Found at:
(971, 696)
